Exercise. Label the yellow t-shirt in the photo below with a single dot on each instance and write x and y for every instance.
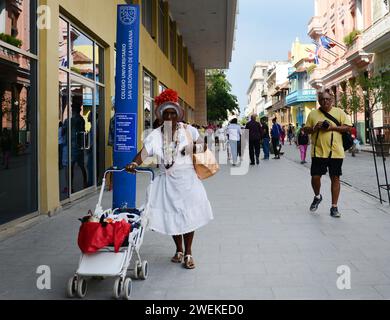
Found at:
(322, 144)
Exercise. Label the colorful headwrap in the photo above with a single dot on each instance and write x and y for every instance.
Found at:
(168, 99)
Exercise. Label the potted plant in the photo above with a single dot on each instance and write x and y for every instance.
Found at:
(350, 37)
(10, 40)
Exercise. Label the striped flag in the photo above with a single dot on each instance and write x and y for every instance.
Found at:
(326, 42)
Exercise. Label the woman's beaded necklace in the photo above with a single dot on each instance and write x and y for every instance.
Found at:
(170, 148)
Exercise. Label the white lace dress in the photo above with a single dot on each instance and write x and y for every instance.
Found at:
(179, 202)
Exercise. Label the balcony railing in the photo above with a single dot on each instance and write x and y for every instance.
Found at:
(279, 105)
(314, 27)
(373, 35)
(305, 95)
(9, 55)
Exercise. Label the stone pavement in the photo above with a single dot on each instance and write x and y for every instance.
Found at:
(263, 244)
(358, 172)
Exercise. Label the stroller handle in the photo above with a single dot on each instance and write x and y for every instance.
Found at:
(138, 170)
(145, 170)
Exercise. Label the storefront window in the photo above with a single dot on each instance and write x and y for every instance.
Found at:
(63, 145)
(148, 101)
(18, 115)
(17, 24)
(99, 63)
(81, 113)
(161, 88)
(63, 44)
(147, 15)
(162, 36)
(82, 54)
(172, 42)
(18, 110)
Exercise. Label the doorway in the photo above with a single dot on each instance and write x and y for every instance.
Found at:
(77, 138)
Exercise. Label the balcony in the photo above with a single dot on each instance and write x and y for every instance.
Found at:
(9, 56)
(305, 95)
(377, 37)
(314, 28)
(315, 79)
(278, 105)
(356, 54)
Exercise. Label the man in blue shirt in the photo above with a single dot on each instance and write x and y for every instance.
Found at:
(275, 135)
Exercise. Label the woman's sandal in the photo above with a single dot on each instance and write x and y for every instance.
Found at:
(178, 257)
(189, 262)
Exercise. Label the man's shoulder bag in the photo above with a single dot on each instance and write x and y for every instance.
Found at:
(347, 137)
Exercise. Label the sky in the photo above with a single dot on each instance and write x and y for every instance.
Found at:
(266, 30)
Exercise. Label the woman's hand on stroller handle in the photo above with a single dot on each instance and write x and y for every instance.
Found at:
(131, 167)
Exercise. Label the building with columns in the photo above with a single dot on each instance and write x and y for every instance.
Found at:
(44, 71)
(376, 41)
(346, 22)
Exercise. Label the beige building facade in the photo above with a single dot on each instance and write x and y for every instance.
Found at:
(56, 78)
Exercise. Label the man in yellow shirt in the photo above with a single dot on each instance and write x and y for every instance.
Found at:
(327, 148)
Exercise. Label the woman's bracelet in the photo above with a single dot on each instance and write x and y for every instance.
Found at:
(134, 163)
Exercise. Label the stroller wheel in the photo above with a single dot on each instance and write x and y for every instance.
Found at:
(137, 269)
(117, 288)
(127, 288)
(143, 274)
(72, 287)
(82, 288)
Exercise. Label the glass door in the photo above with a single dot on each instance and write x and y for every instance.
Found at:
(82, 136)
(63, 141)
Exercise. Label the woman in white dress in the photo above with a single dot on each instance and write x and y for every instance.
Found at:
(179, 203)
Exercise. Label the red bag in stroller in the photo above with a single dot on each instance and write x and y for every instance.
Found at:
(95, 235)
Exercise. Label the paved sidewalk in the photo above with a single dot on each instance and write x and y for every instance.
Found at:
(263, 244)
(358, 172)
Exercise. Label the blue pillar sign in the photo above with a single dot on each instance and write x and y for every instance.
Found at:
(125, 132)
(126, 103)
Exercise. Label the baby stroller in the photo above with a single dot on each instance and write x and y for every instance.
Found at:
(106, 262)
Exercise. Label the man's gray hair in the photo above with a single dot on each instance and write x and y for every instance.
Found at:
(320, 93)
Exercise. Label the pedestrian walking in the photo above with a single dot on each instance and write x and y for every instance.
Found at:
(265, 138)
(283, 135)
(210, 136)
(234, 132)
(220, 137)
(179, 203)
(302, 143)
(255, 132)
(276, 132)
(327, 151)
(290, 133)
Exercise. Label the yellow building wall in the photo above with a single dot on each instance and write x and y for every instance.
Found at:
(293, 114)
(309, 106)
(96, 18)
(299, 51)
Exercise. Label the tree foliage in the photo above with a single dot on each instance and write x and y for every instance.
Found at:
(367, 93)
(219, 98)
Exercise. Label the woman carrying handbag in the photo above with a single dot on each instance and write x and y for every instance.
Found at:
(179, 204)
